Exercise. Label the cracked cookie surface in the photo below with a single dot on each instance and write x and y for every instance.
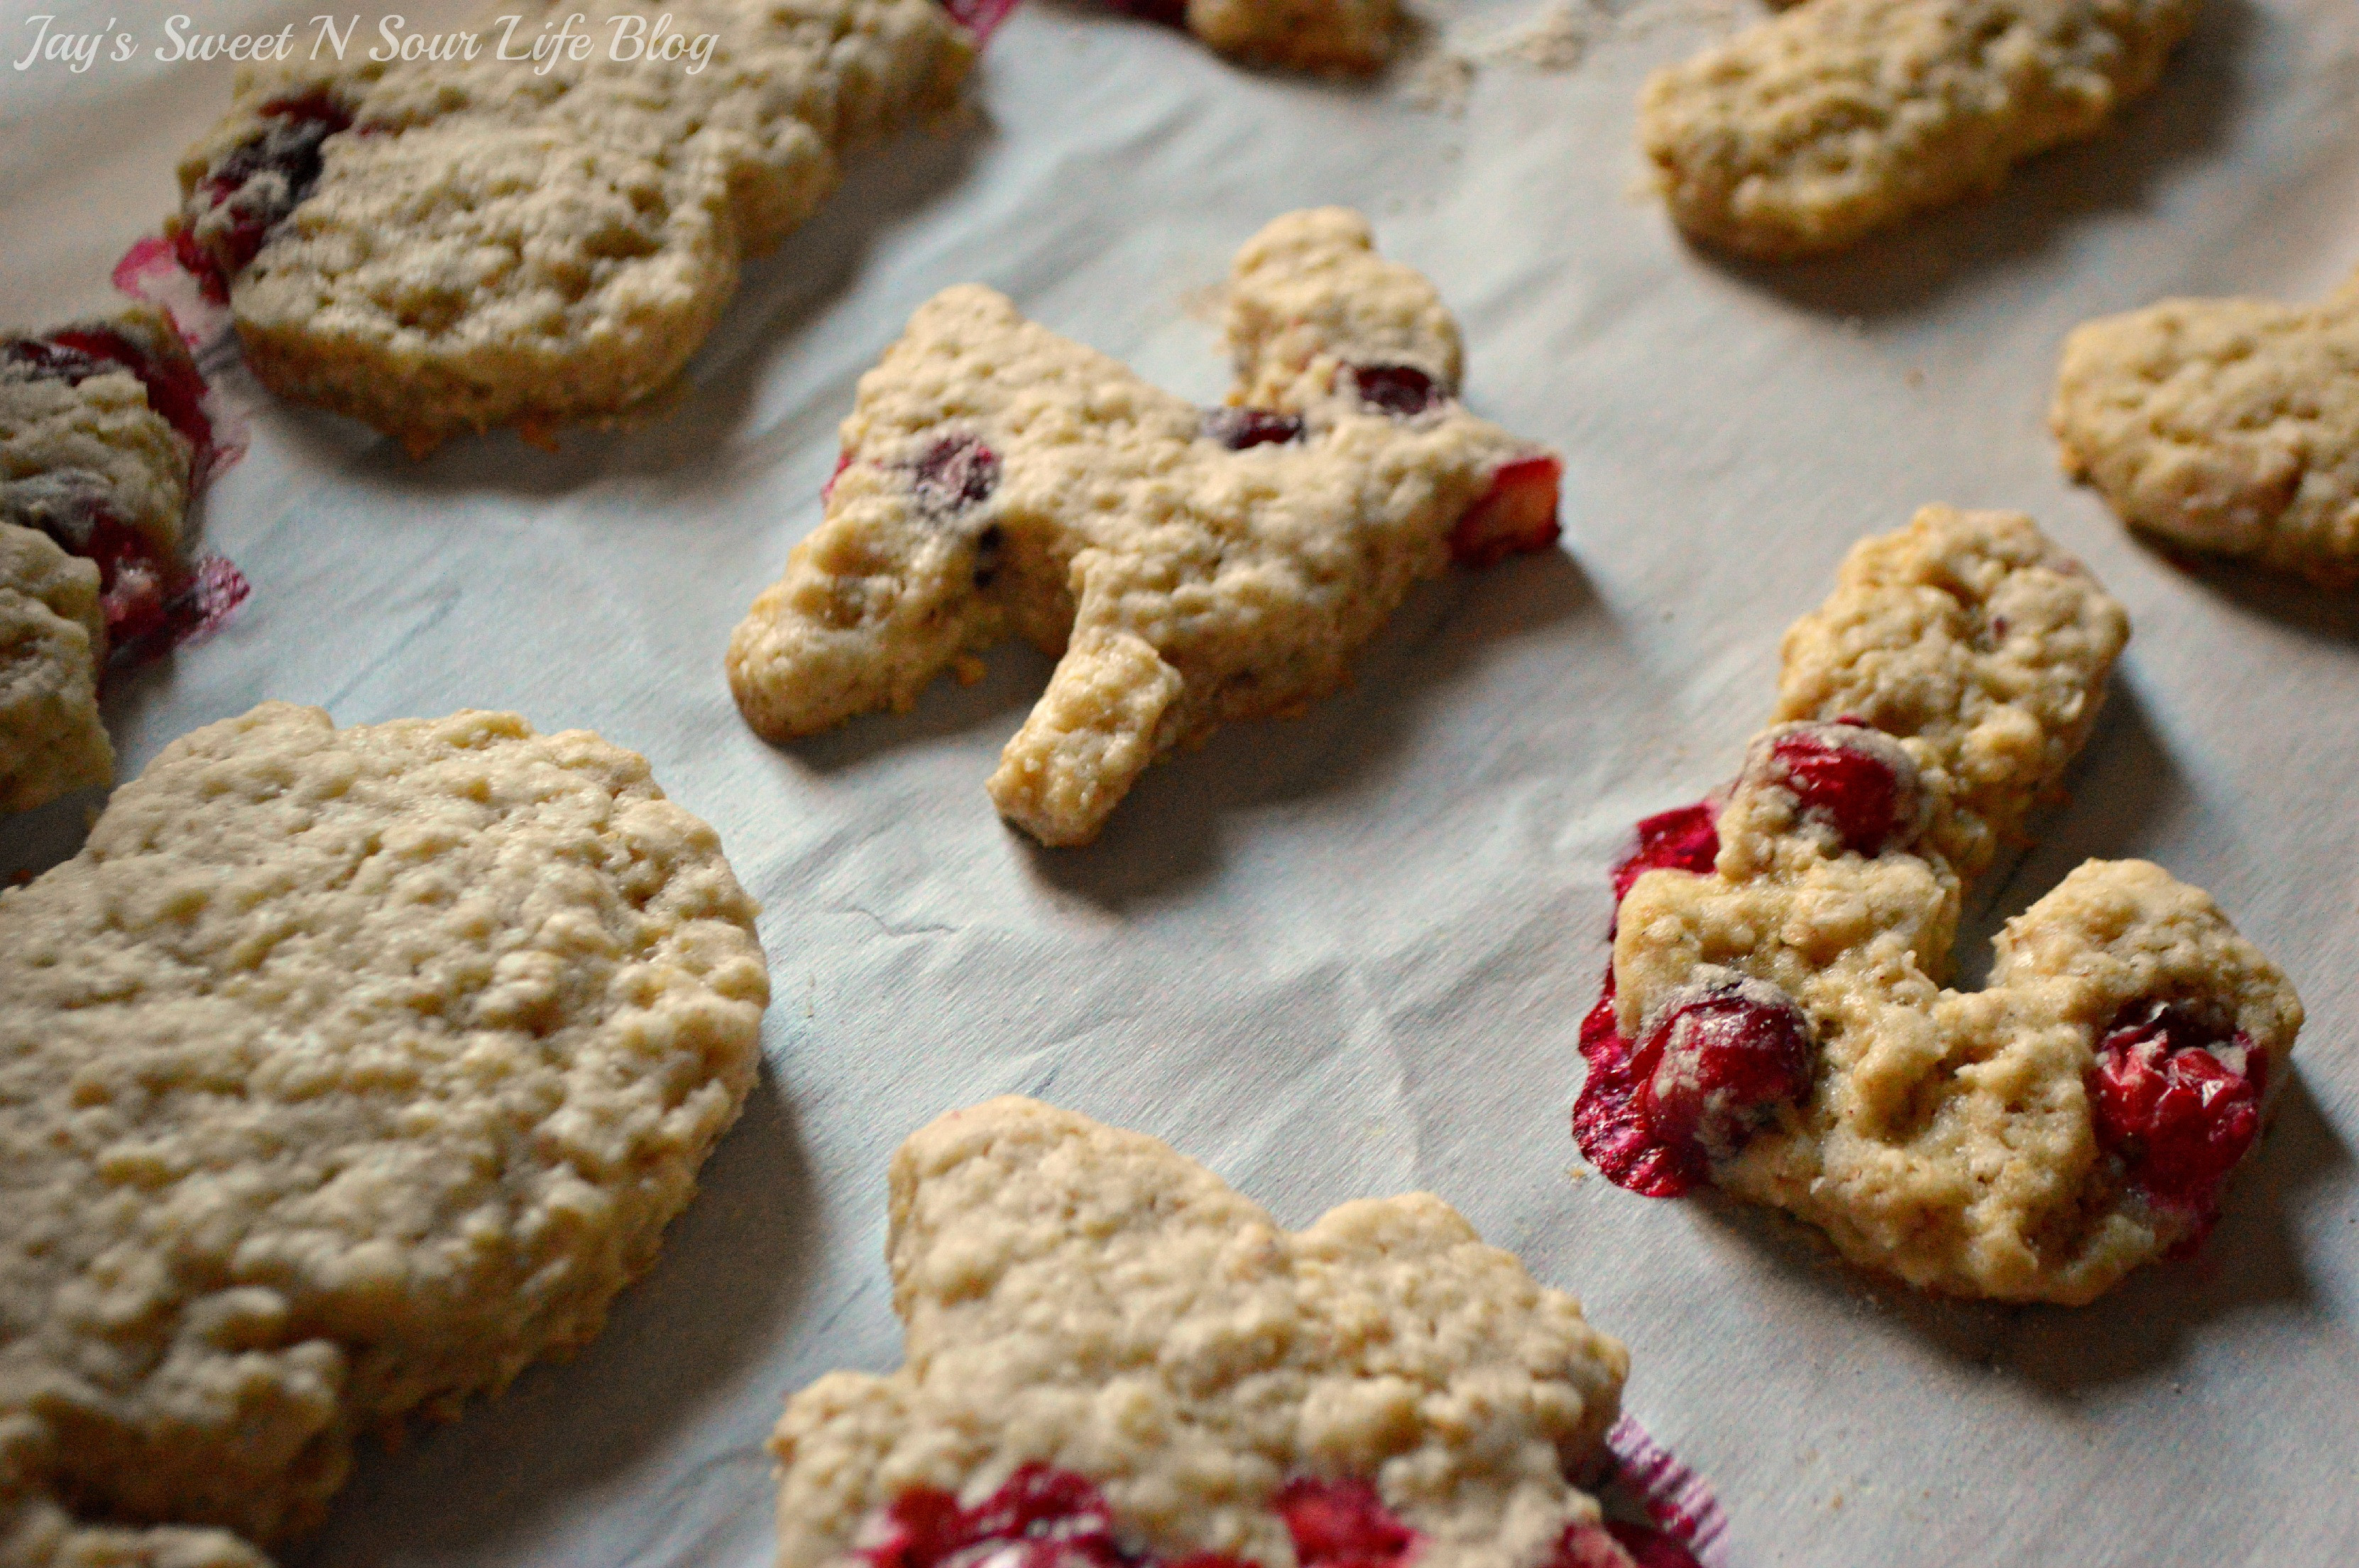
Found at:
(1188, 566)
(343, 1074)
(1775, 1019)
(1093, 1319)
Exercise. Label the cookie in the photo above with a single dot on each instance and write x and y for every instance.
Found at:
(52, 642)
(104, 439)
(447, 245)
(1109, 1350)
(1186, 567)
(1331, 38)
(343, 1074)
(2229, 426)
(1775, 1020)
(1803, 134)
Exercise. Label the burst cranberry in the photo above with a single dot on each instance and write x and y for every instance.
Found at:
(1617, 1544)
(1847, 785)
(1686, 838)
(1713, 1066)
(1342, 1524)
(287, 147)
(1041, 1517)
(1238, 429)
(956, 472)
(152, 602)
(1399, 389)
(2176, 1093)
(1516, 514)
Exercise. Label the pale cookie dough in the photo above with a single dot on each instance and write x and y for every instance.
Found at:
(342, 1074)
(52, 643)
(1105, 1343)
(1340, 37)
(1776, 1020)
(101, 422)
(1189, 568)
(2224, 425)
(1801, 135)
(442, 246)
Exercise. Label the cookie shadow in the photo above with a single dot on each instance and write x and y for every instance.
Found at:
(2322, 614)
(1166, 834)
(512, 1468)
(47, 837)
(673, 436)
(1898, 271)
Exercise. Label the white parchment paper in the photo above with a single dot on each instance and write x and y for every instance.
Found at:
(1346, 955)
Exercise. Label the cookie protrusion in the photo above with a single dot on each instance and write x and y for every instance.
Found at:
(1187, 569)
(2226, 426)
(1840, 117)
(1775, 1018)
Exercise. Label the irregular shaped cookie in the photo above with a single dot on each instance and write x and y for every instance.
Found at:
(2224, 425)
(1110, 1351)
(1335, 38)
(342, 1074)
(52, 643)
(1775, 1022)
(1189, 567)
(446, 245)
(1801, 135)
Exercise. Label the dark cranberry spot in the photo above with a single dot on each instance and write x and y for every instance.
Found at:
(2176, 1093)
(1711, 1068)
(1618, 1543)
(1612, 1133)
(1041, 1517)
(1855, 791)
(1342, 1524)
(287, 147)
(1399, 389)
(956, 472)
(1649, 1548)
(1238, 429)
(1516, 515)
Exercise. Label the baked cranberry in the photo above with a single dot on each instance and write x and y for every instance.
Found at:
(151, 602)
(1686, 838)
(1618, 1543)
(1398, 389)
(2176, 1093)
(1041, 1517)
(1516, 514)
(1342, 1524)
(956, 472)
(1238, 429)
(1713, 1065)
(286, 147)
(1844, 784)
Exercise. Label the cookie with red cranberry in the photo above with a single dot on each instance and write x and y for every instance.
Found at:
(1776, 1019)
(1188, 566)
(1803, 134)
(446, 245)
(52, 643)
(343, 1074)
(2229, 426)
(1112, 1360)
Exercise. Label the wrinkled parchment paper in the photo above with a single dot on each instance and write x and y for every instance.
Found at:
(1346, 955)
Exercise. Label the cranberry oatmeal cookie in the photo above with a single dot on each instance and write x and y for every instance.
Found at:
(1775, 1022)
(1112, 1360)
(442, 246)
(2224, 425)
(342, 1074)
(1189, 568)
(1840, 117)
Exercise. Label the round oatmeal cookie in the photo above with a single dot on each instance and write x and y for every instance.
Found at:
(1803, 134)
(1189, 567)
(1775, 1020)
(1109, 1350)
(2229, 426)
(343, 1074)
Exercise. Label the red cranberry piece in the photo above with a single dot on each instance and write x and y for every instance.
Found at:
(1342, 1524)
(1618, 1543)
(2176, 1093)
(1856, 791)
(1041, 1517)
(1516, 514)
(1713, 1065)
(152, 602)
(288, 146)
(956, 472)
(1238, 429)
(1398, 389)
(1686, 838)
